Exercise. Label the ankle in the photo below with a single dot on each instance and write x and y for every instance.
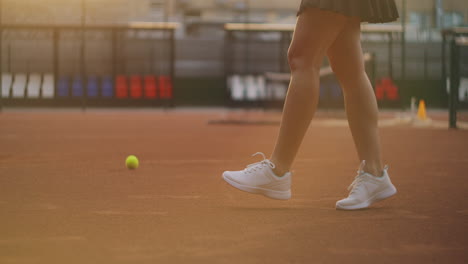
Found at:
(374, 169)
(279, 170)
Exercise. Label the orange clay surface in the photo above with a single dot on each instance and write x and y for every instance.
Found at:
(66, 196)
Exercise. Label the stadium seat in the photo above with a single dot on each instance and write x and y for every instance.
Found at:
(107, 87)
(261, 84)
(48, 86)
(19, 85)
(136, 89)
(121, 86)
(323, 91)
(335, 90)
(379, 92)
(255, 87)
(278, 89)
(77, 87)
(386, 89)
(447, 85)
(165, 87)
(92, 87)
(7, 80)
(34, 85)
(150, 87)
(392, 93)
(463, 89)
(392, 90)
(236, 87)
(63, 87)
(251, 88)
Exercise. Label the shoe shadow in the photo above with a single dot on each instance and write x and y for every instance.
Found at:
(278, 208)
(387, 209)
(257, 209)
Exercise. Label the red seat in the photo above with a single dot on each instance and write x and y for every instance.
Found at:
(136, 89)
(150, 87)
(386, 89)
(379, 92)
(121, 86)
(165, 87)
(392, 92)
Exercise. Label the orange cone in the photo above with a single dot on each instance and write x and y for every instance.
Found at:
(422, 111)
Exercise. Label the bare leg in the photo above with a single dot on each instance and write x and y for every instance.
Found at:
(315, 31)
(361, 106)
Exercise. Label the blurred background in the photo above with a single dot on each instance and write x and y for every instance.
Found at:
(93, 52)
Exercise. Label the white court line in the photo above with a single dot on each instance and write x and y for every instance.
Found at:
(397, 121)
(156, 196)
(129, 213)
(188, 161)
(38, 239)
(42, 206)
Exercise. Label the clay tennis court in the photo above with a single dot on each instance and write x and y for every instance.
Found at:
(66, 196)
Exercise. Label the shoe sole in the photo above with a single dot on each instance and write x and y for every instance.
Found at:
(278, 195)
(382, 195)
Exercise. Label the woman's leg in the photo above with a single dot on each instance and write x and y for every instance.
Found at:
(315, 31)
(347, 62)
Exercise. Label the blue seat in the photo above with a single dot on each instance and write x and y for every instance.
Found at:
(77, 87)
(63, 89)
(93, 87)
(336, 92)
(107, 87)
(323, 90)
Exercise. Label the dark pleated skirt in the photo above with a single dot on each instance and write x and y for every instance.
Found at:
(372, 11)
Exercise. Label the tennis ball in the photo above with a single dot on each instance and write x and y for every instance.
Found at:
(132, 162)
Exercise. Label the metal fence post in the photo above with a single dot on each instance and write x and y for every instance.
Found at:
(403, 41)
(1, 58)
(172, 61)
(454, 81)
(444, 62)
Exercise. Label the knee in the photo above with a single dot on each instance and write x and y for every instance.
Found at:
(300, 59)
(345, 69)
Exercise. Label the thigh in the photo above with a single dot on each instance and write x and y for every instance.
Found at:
(315, 32)
(345, 54)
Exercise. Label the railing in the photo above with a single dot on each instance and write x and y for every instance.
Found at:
(457, 37)
(234, 79)
(82, 86)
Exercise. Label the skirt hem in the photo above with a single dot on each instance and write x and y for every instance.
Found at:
(371, 11)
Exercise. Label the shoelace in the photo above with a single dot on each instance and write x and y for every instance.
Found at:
(358, 179)
(257, 165)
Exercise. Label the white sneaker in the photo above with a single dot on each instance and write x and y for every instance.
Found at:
(367, 189)
(259, 178)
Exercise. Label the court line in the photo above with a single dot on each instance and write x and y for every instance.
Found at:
(37, 239)
(129, 213)
(187, 161)
(156, 196)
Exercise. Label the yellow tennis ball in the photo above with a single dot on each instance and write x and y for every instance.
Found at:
(132, 162)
